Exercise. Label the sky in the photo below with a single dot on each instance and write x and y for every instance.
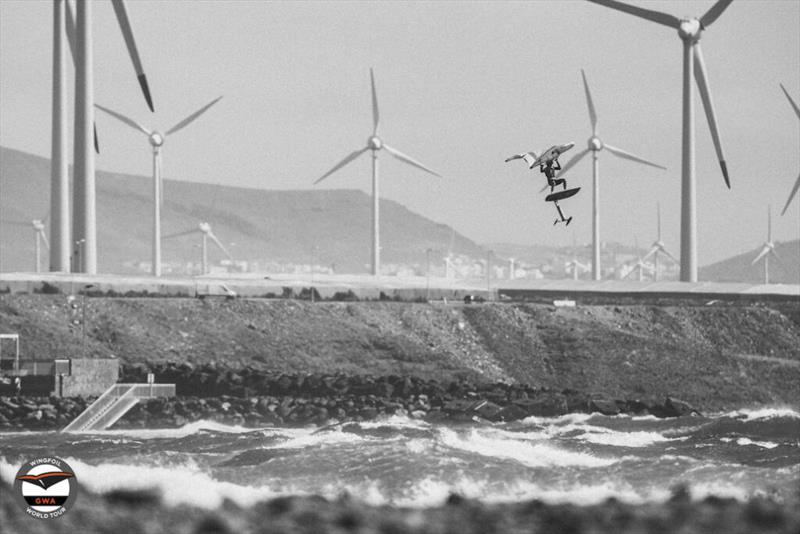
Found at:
(461, 86)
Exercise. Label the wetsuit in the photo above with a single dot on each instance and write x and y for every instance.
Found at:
(550, 173)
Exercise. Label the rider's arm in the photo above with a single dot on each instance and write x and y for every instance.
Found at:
(556, 165)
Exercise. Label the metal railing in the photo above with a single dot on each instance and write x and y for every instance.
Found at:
(114, 403)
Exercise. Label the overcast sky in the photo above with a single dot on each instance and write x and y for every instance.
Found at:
(461, 86)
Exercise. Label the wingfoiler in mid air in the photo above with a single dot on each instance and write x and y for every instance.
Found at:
(548, 164)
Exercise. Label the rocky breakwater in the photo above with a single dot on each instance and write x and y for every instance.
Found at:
(254, 397)
(249, 396)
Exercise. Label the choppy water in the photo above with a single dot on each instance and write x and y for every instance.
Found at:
(576, 458)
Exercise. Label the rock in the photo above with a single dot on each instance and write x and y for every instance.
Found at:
(678, 407)
(604, 406)
(544, 405)
(512, 413)
(487, 410)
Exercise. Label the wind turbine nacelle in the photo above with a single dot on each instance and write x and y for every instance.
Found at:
(156, 139)
(595, 144)
(690, 30)
(375, 143)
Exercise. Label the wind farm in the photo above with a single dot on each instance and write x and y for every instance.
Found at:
(156, 140)
(317, 342)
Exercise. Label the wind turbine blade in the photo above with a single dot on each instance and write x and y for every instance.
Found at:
(650, 253)
(402, 157)
(130, 42)
(220, 245)
(70, 26)
(592, 112)
(708, 105)
(44, 238)
(185, 122)
(375, 114)
(633, 269)
(179, 234)
(796, 109)
(571, 163)
(714, 13)
(765, 249)
(792, 194)
(130, 122)
(627, 155)
(667, 254)
(350, 157)
(654, 16)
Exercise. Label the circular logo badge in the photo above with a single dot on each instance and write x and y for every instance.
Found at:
(46, 487)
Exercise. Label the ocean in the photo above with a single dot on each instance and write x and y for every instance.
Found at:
(577, 458)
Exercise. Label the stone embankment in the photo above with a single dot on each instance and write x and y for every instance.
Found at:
(256, 398)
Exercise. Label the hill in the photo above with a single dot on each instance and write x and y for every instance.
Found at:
(276, 229)
(740, 269)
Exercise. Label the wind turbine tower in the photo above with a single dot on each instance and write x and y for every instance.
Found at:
(156, 140)
(658, 247)
(375, 144)
(204, 228)
(84, 214)
(768, 249)
(595, 146)
(690, 31)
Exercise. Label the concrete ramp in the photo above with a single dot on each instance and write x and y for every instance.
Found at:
(114, 403)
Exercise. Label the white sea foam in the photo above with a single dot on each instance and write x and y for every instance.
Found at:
(185, 430)
(624, 439)
(560, 420)
(764, 413)
(748, 441)
(527, 453)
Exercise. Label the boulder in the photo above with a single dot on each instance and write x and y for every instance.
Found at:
(678, 407)
(544, 405)
(604, 406)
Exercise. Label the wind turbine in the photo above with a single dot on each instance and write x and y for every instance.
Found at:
(38, 226)
(205, 229)
(690, 31)
(640, 265)
(595, 146)
(84, 215)
(375, 144)
(574, 266)
(658, 246)
(797, 183)
(157, 139)
(768, 249)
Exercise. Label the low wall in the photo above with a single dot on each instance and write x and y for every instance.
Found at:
(88, 376)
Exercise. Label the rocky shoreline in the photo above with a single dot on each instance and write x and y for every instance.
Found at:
(144, 512)
(250, 397)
